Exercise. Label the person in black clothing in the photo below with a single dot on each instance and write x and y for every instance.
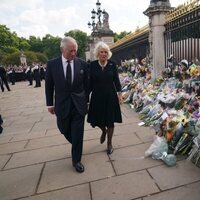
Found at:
(11, 74)
(1, 85)
(36, 75)
(29, 75)
(105, 88)
(4, 79)
(42, 73)
(66, 89)
(1, 122)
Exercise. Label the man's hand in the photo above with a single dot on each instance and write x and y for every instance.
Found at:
(51, 110)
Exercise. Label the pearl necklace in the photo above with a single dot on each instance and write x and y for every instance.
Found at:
(102, 66)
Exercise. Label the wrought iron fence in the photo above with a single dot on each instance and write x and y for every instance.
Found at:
(182, 35)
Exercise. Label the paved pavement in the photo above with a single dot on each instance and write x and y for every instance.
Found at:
(35, 160)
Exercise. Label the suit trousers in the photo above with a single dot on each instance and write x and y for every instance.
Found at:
(72, 128)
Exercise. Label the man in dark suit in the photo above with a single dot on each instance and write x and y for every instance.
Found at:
(67, 78)
(4, 80)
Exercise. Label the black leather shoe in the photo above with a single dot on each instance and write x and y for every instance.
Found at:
(109, 149)
(79, 167)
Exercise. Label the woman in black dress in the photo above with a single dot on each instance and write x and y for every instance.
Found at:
(105, 90)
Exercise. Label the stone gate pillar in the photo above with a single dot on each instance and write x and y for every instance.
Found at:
(156, 13)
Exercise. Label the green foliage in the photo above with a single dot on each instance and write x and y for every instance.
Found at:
(7, 39)
(120, 35)
(35, 44)
(41, 57)
(24, 45)
(12, 59)
(30, 57)
(35, 48)
(81, 38)
(51, 46)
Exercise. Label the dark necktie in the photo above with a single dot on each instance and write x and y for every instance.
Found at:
(69, 74)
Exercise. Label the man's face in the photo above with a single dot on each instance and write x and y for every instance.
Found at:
(70, 52)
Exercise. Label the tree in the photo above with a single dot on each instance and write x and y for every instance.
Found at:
(120, 35)
(41, 57)
(51, 46)
(81, 38)
(24, 44)
(35, 44)
(8, 40)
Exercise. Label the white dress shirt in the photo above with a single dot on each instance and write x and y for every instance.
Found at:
(64, 62)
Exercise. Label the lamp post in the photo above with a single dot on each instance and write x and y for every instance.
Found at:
(99, 25)
(97, 21)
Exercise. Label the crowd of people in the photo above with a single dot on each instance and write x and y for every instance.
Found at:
(12, 74)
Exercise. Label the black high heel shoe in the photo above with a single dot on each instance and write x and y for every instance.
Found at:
(110, 149)
(103, 137)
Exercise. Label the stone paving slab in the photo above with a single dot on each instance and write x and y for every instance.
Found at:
(124, 187)
(39, 156)
(44, 125)
(46, 116)
(32, 111)
(130, 159)
(51, 132)
(5, 138)
(80, 192)
(170, 177)
(3, 160)
(19, 182)
(46, 142)
(27, 136)
(92, 146)
(124, 129)
(60, 174)
(12, 147)
(19, 128)
(92, 134)
(28, 119)
(129, 113)
(186, 192)
(125, 140)
(145, 133)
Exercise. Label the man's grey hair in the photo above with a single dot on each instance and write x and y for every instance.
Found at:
(66, 41)
(99, 46)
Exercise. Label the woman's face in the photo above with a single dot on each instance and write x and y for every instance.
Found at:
(103, 55)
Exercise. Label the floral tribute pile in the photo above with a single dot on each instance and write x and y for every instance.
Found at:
(171, 105)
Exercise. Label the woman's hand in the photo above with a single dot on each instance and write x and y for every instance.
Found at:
(120, 97)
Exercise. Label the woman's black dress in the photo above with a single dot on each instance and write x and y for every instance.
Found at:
(104, 107)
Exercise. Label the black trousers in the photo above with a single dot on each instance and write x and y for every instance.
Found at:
(5, 81)
(72, 128)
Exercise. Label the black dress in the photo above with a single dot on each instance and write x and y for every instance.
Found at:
(104, 107)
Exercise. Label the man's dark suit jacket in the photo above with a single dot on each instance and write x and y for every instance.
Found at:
(57, 92)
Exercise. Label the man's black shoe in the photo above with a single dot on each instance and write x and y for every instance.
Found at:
(1, 129)
(79, 167)
(1, 120)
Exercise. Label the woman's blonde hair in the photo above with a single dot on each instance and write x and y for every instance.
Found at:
(101, 45)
